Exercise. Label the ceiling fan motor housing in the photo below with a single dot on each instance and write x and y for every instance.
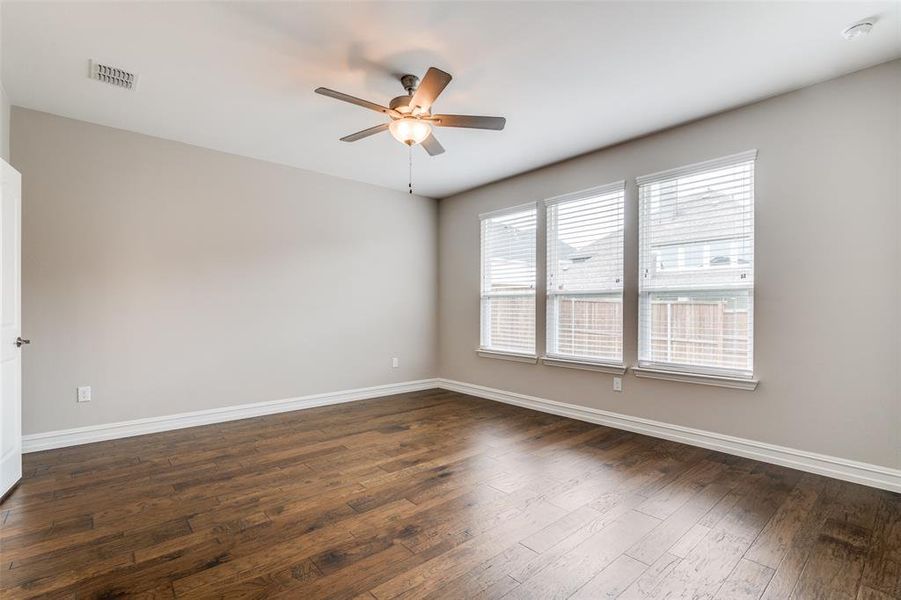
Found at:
(401, 104)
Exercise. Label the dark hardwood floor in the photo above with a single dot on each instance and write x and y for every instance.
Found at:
(435, 495)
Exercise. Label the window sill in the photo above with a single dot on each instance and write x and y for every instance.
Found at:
(736, 383)
(514, 356)
(586, 365)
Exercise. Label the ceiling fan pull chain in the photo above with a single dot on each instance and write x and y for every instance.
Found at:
(410, 173)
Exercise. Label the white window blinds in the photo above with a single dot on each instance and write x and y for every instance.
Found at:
(508, 280)
(585, 275)
(696, 258)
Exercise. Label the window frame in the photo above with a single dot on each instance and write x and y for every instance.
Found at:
(488, 351)
(706, 374)
(552, 356)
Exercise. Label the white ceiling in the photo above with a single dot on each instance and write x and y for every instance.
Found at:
(569, 77)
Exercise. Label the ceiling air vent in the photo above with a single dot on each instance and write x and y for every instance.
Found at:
(113, 75)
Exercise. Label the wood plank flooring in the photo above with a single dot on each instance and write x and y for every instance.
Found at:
(436, 495)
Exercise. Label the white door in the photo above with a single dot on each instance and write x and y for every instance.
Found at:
(10, 327)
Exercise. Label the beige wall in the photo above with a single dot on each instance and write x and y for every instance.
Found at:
(828, 271)
(172, 278)
(4, 124)
(4, 108)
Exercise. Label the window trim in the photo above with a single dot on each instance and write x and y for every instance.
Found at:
(559, 360)
(550, 334)
(507, 355)
(726, 381)
(724, 377)
(488, 352)
(500, 212)
(694, 168)
(598, 190)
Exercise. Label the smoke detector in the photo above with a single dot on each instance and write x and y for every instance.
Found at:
(857, 30)
(116, 76)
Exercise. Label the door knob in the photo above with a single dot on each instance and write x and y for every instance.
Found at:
(21, 342)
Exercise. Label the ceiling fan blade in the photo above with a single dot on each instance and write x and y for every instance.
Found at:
(365, 133)
(358, 101)
(431, 145)
(469, 121)
(431, 86)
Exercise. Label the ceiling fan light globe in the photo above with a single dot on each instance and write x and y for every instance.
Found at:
(410, 131)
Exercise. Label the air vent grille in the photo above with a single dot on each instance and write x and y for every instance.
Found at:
(113, 75)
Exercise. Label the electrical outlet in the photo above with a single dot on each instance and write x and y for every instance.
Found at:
(84, 393)
(617, 384)
(395, 362)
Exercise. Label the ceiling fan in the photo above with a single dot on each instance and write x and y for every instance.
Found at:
(411, 117)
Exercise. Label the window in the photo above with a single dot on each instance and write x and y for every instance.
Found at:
(508, 281)
(585, 275)
(696, 257)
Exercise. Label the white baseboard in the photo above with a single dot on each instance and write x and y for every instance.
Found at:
(839, 468)
(848, 470)
(110, 431)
